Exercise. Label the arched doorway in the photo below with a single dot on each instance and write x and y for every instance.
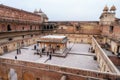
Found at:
(9, 28)
(58, 47)
(5, 49)
(12, 75)
(28, 76)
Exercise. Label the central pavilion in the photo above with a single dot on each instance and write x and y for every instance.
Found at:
(54, 42)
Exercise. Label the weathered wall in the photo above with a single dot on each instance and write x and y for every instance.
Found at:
(13, 45)
(10, 12)
(26, 70)
(105, 63)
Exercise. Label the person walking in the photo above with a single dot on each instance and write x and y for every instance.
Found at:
(17, 51)
(50, 56)
(20, 51)
(40, 53)
(34, 47)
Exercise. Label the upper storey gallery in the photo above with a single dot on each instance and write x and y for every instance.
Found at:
(19, 14)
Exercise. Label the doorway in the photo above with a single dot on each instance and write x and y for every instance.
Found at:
(9, 28)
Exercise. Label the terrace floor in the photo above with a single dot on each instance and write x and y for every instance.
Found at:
(78, 57)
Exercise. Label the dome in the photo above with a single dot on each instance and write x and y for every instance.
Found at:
(35, 11)
(40, 11)
(113, 8)
(105, 8)
(44, 15)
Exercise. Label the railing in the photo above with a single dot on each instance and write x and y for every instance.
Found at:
(107, 61)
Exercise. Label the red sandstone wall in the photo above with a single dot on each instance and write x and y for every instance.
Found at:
(9, 12)
(115, 60)
(17, 27)
(115, 33)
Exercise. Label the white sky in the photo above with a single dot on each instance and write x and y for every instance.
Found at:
(66, 10)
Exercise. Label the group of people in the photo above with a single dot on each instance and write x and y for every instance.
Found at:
(18, 51)
(91, 50)
(48, 50)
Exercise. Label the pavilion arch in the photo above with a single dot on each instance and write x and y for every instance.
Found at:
(5, 49)
(28, 76)
(12, 74)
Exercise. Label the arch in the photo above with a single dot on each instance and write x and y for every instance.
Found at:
(64, 77)
(51, 27)
(28, 76)
(5, 49)
(30, 27)
(12, 75)
(44, 27)
(9, 27)
(111, 28)
(47, 27)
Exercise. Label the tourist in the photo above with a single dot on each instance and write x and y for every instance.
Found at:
(17, 51)
(15, 57)
(40, 54)
(50, 56)
(37, 51)
(20, 51)
(89, 50)
(53, 50)
(35, 47)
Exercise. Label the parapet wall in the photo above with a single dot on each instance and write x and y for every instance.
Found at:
(105, 63)
(9, 63)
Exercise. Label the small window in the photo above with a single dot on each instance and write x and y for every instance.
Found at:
(9, 28)
(51, 27)
(37, 78)
(31, 35)
(22, 28)
(61, 27)
(30, 27)
(77, 28)
(39, 27)
(111, 28)
(10, 39)
(23, 36)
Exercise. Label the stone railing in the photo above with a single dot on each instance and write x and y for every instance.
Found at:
(60, 69)
(99, 51)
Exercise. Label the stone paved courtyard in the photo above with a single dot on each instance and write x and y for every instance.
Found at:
(78, 57)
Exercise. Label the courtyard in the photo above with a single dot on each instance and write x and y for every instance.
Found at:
(78, 57)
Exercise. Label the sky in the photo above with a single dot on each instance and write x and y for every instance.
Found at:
(66, 10)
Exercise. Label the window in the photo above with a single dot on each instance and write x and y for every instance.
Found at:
(77, 28)
(37, 78)
(31, 35)
(10, 39)
(23, 36)
(22, 28)
(111, 28)
(47, 27)
(9, 28)
(61, 27)
(39, 27)
(51, 27)
(30, 27)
